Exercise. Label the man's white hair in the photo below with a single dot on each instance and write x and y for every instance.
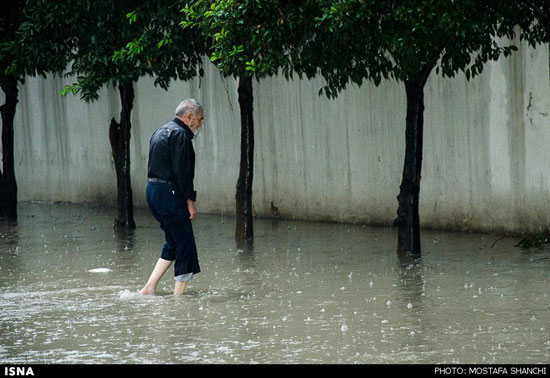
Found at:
(188, 106)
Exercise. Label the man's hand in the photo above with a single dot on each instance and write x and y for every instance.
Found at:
(192, 209)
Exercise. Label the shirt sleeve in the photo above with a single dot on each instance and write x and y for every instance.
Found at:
(183, 161)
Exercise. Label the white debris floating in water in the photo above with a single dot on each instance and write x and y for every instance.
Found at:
(100, 270)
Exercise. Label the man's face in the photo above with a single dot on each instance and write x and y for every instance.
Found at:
(194, 121)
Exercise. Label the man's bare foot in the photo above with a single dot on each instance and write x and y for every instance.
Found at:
(147, 291)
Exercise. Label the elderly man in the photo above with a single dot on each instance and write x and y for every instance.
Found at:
(171, 196)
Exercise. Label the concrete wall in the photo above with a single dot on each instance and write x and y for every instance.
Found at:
(485, 149)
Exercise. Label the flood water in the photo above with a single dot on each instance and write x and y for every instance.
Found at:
(304, 292)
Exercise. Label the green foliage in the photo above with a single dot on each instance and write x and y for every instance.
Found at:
(168, 51)
(357, 40)
(11, 17)
(532, 20)
(250, 37)
(101, 42)
(344, 41)
(534, 241)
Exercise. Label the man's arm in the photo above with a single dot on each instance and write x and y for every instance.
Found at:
(181, 149)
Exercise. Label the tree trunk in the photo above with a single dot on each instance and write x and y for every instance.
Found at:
(408, 220)
(8, 184)
(119, 135)
(243, 229)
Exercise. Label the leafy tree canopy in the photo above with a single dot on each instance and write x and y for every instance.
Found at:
(356, 40)
(250, 37)
(11, 16)
(90, 38)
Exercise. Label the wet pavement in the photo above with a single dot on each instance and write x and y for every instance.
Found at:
(303, 292)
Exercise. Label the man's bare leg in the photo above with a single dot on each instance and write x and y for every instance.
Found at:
(179, 287)
(161, 268)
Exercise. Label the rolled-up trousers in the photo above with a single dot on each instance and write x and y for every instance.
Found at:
(172, 213)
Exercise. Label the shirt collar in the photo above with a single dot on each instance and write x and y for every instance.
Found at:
(185, 127)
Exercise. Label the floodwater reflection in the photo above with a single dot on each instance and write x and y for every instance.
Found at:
(301, 292)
